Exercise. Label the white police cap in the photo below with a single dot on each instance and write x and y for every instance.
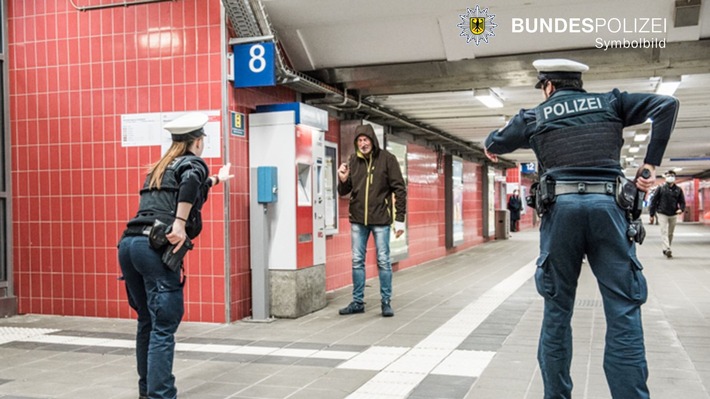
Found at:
(187, 127)
(558, 68)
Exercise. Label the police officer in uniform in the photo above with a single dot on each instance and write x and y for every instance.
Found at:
(577, 139)
(174, 191)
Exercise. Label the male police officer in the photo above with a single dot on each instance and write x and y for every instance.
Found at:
(577, 139)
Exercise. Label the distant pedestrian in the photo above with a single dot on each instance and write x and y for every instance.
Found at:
(667, 203)
(514, 206)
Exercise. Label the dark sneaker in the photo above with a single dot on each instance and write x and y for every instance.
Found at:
(668, 253)
(387, 310)
(353, 308)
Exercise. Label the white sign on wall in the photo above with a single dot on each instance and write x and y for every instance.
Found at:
(147, 130)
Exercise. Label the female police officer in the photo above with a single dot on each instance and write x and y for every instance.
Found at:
(173, 193)
(577, 139)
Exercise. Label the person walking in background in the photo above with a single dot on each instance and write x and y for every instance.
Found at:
(153, 243)
(667, 203)
(371, 176)
(577, 139)
(514, 206)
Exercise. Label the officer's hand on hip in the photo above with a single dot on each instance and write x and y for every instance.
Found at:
(177, 235)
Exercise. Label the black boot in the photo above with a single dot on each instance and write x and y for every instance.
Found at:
(352, 308)
(387, 309)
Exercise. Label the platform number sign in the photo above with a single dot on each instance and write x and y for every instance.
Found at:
(528, 168)
(254, 64)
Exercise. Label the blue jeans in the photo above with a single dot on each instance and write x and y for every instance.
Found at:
(591, 224)
(155, 293)
(359, 235)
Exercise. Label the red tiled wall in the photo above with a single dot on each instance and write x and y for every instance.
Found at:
(472, 205)
(704, 201)
(692, 199)
(72, 75)
(337, 246)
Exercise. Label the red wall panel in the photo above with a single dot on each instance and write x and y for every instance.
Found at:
(74, 186)
(704, 201)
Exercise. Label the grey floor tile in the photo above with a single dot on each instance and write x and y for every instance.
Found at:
(442, 387)
(676, 320)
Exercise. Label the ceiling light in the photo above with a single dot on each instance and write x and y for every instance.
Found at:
(640, 137)
(668, 85)
(630, 159)
(488, 97)
(634, 150)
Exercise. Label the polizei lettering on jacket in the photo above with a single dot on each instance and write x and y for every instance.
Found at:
(571, 106)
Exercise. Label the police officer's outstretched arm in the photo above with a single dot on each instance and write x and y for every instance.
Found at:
(192, 177)
(510, 137)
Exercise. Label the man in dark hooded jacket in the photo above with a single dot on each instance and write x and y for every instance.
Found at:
(667, 203)
(371, 176)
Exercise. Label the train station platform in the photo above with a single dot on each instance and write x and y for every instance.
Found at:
(466, 326)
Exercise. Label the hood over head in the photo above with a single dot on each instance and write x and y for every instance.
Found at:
(369, 132)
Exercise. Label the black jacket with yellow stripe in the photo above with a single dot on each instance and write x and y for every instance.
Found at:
(371, 183)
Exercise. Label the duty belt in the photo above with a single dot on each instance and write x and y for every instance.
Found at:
(584, 187)
(137, 231)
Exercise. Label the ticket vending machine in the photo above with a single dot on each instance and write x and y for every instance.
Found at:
(291, 137)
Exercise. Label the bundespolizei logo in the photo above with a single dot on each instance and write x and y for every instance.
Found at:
(477, 25)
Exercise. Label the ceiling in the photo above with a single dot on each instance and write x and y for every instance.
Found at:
(416, 58)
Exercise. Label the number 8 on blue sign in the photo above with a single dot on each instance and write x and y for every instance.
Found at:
(254, 64)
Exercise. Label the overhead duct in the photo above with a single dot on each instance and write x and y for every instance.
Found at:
(250, 20)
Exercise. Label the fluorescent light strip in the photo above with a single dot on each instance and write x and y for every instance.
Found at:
(488, 97)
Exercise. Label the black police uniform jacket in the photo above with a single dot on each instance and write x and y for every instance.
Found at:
(667, 200)
(371, 183)
(578, 135)
(185, 180)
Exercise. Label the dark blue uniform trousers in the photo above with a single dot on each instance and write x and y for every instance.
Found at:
(156, 294)
(593, 224)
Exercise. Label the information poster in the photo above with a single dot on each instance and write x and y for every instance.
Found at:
(147, 130)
